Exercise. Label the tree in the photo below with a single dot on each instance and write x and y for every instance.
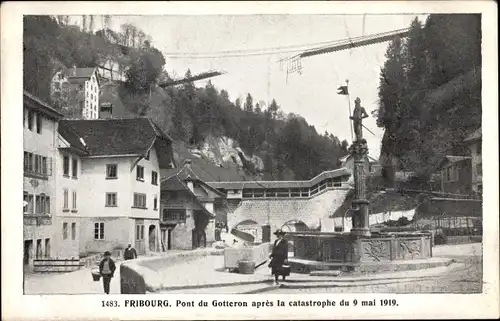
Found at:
(248, 107)
(237, 103)
(273, 109)
(257, 109)
(344, 146)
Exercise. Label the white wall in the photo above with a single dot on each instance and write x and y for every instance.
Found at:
(145, 187)
(95, 186)
(91, 109)
(68, 247)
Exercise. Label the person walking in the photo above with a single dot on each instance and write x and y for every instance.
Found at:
(129, 253)
(107, 270)
(279, 255)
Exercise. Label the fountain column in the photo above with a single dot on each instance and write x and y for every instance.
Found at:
(359, 151)
(360, 218)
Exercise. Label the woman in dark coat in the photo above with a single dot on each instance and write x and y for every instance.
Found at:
(279, 255)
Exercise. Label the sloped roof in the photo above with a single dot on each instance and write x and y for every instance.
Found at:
(81, 72)
(173, 184)
(113, 137)
(69, 134)
(184, 174)
(476, 135)
(40, 105)
(453, 159)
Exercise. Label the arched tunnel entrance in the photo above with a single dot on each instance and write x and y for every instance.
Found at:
(293, 226)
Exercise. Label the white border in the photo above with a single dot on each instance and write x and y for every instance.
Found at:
(16, 306)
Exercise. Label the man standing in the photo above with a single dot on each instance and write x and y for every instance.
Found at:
(129, 253)
(107, 270)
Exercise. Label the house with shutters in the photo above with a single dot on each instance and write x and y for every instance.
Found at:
(117, 164)
(40, 127)
(188, 210)
(474, 143)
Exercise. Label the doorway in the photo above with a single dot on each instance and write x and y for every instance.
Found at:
(152, 238)
(140, 246)
(169, 239)
(39, 249)
(28, 252)
(47, 248)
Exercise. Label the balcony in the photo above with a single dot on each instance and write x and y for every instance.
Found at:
(37, 219)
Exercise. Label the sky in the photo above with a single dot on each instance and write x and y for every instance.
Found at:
(311, 94)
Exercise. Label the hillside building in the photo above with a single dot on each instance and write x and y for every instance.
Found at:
(79, 89)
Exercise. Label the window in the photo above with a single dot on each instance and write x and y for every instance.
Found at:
(111, 171)
(47, 204)
(25, 202)
(35, 164)
(73, 231)
(44, 166)
(139, 232)
(65, 231)
(139, 200)
(99, 231)
(66, 166)
(39, 123)
(451, 173)
(31, 116)
(74, 200)
(37, 205)
(140, 173)
(479, 169)
(74, 169)
(30, 208)
(65, 199)
(155, 203)
(111, 199)
(176, 215)
(154, 178)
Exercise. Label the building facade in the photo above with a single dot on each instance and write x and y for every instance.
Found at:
(456, 176)
(39, 185)
(188, 210)
(372, 166)
(474, 142)
(119, 184)
(78, 87)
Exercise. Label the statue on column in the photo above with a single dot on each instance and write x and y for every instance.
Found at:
(357, 118)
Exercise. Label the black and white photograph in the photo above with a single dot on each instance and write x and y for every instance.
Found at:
(272, 154)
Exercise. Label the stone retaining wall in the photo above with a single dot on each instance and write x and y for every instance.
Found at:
(145, 275)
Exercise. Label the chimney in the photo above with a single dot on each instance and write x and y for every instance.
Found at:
(187, 163)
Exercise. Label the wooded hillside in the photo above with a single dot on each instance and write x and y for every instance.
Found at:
(289, 147)
(430, 92)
